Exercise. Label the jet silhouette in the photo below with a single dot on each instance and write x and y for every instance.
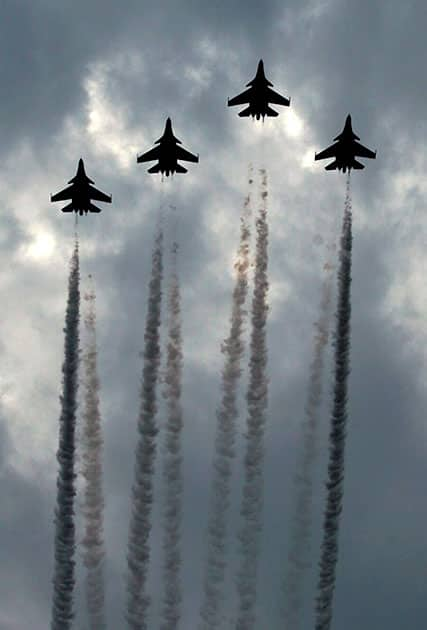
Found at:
(167, 154)
(344, 150)
(81, 192)
(259, 95)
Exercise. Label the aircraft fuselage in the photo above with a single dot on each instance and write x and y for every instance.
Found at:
(81, 201)
(345, 155)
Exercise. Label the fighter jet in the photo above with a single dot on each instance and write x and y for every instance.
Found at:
(81, 192)
(344, 150)
(167, 154)
(259, 95)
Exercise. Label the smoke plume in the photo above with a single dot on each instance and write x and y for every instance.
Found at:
(93, 502)
(334, 485)
(138, 556)
(172, 473)
(63, 578)
(301, 525)
(227, 413)
(257, 399)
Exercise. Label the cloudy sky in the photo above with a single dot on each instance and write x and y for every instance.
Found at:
(97, 80)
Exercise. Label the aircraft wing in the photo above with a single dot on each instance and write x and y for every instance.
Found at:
(329, 152)
(183, 154)
(276, 98)
(152, 154)
(362, 151)
(242, 98)
(98, 195)
(62, 195)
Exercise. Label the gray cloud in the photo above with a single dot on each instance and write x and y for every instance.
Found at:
(184, 59)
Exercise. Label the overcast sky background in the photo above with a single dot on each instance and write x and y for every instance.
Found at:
(97, 80)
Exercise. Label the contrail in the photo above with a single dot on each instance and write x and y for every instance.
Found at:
(334, 485)
(226, 414)
(172, 473)
(257, 399)
(138, 556)
(300, 534)
(92, 471)
(63, 578)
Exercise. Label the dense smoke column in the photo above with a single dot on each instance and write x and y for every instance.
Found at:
(227, 414)
(138, 555)
(334, 485)
(172, 473)
(257, 399)
(63, 578)
(300, 534)
(92, 471)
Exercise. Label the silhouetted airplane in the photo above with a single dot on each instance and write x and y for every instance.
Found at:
(81, 192)
(167, 154)
(259, 95)
(344, 150)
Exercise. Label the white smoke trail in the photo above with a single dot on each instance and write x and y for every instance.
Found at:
(257, 400)
(63, 578)
(138, 556)
(334, 485)
(300, 535)
(92, 471)
(227, 414)
(172, 473)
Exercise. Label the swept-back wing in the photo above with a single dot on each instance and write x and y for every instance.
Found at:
(242, 98)
(183, 154)
(62, 195)
(329, 152)
(98, 195)
(276, 98)
(152, 154)
(362, 151)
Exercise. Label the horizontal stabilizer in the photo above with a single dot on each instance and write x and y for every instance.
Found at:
(68, 208)
(180, 169)
(154, 169)
(357, 165)
(332, 166)
(93, 208)
(245, 112)
(271, 112)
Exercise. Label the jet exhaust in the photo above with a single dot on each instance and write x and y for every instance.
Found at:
(257, 400)
(92, 471)
(334, 485)
(226, 414)
(298, 561)
(138, 556)
(172, 472)
(64, 545)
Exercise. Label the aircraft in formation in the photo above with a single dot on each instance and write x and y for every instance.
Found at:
(167, 153)
(344, 150)
(258, 96)
(81, 193)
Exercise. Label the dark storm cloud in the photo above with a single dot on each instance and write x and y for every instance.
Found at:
(365, 59)
(47, 50)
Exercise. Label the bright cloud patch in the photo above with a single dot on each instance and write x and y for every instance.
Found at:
(41, 247)
(107, 123)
